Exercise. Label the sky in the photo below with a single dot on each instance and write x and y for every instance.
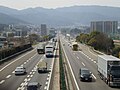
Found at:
(22, 4)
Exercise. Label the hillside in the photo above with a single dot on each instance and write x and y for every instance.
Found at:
(64, 16)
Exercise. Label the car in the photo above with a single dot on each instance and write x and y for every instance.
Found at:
(20, 70)
(85, 74)
(33, 86)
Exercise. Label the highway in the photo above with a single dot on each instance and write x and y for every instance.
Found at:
(30, 59)
(88, 59)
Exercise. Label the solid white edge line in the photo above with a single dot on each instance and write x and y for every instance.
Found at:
(71, 70)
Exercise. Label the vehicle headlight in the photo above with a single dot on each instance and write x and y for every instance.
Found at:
(82, 76)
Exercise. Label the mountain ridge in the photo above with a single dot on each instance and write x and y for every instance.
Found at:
(64, 16)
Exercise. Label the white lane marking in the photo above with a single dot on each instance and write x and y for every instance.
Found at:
(30, 72)
(27, 60)
(13, 72)
(94, 76)
(22, 88)
(19, 88)
(22, 65)
(83, 64)
(71, 70)
(33, 72)
(47, 79)
(26, 83)
(92, 52)
(24, 62)
(29, 79)
(21, 84)
(94, 61)
(48, 75)
(77, 57)
(46, 83)
(91, 59)
(31, 75)
(25, 79)
(45, 87)
(28, 75)
(2, 81)
(8, 76)
(15, 61)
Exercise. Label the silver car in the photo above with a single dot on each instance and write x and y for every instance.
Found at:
(20, 70)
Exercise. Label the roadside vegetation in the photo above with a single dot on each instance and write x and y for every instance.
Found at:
(62, 74)
(99, 41)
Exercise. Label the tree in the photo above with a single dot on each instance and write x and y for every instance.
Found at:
(33, 38)
(116, 51)
(93, 42)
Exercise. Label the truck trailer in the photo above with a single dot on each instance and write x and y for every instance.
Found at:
(109, 69)
(42, 67)
(41, 49)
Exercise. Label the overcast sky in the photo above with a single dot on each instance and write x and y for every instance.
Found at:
(21, 4)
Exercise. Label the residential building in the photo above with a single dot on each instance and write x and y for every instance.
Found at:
(43, 30)
(107, 27)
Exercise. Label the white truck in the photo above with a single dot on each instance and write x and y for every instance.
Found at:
(42, 67)
(41, 49)
(109, 69)
(49, 50)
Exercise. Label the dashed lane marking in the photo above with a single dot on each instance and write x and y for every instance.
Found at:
(45, 88)
(33, 72)
(25, 79)
(28, 75)
(21, 65)
(77, 57)
(31, 75)
(2, 81)
(83, 64)
(8, 76)
(30, 72)
(94, 76)
(24, 62)
(29, 79)
(13, 72)
(94, 61)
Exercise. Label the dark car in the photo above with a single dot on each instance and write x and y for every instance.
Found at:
(33, 86)
(85, 74)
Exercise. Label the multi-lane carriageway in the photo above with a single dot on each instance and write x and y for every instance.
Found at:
(85, 58)
(8, 79)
